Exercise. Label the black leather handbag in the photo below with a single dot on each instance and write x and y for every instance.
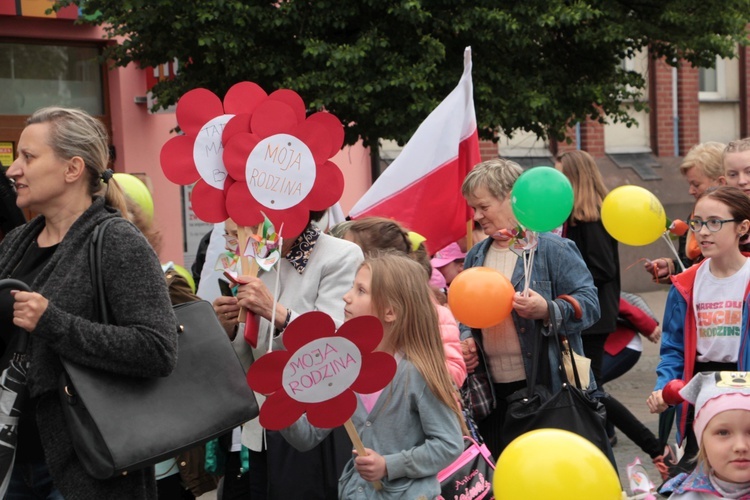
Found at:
(571, 408)
(119, 423)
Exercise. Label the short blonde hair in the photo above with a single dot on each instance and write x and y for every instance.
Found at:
(737, 146)
(497, 175)
(707, 157)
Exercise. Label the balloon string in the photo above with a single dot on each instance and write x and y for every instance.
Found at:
(275, 300)
(528, 264)
(674, 252)
(644, 259)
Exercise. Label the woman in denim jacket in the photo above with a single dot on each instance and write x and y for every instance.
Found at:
(505, 350)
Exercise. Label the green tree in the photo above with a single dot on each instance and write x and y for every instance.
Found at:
(382, 65)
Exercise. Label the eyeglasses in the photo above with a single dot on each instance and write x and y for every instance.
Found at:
(713, 225)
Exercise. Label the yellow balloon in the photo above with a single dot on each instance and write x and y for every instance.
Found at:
(185, 274)
(136, 190)
(633, 215)
(554, 464)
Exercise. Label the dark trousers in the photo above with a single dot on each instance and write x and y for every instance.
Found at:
(171, 488)
(619, 416)
(235, 485)
(31, 481)
(593, 348)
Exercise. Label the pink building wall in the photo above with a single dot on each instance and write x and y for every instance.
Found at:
(139, 135)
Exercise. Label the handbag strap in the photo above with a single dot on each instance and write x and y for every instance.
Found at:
(554, 337)
(14, 284)
(95, 264)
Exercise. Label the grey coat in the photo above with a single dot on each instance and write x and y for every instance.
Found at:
(141, 341)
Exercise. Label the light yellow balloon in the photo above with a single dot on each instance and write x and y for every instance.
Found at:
(633, 215)
(137, 191)
(185, 274)
(554, 464)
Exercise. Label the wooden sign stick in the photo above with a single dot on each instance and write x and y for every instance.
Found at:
(357, 442)
(249, 266)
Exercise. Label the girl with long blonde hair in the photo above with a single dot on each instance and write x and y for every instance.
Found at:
(412, 429)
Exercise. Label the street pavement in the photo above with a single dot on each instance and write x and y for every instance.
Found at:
(631, 390)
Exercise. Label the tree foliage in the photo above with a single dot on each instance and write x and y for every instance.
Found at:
(382, 65)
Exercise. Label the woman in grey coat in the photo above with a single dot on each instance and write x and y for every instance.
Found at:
(60, 173)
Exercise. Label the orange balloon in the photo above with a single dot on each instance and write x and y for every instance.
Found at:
(480, 297)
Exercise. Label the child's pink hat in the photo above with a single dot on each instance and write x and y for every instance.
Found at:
(714, 392)
(446, 255)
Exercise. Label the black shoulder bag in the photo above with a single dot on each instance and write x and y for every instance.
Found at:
(570, 408)
(119, 423)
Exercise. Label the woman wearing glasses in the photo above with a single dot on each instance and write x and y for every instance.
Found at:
(705, 317)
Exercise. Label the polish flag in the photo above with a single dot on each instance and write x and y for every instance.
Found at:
(421, 189)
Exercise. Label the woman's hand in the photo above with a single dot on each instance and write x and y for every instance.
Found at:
(254, 296)
(656, 402)
(532, 307)
(469, 351)
(371, 467)
(27, 309)
(227, 310)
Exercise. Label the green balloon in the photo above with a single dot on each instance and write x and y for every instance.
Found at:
(542, 199)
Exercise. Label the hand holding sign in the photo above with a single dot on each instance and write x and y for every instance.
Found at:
(320, 371)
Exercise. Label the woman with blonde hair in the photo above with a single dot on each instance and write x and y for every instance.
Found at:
(599, 250)
(61, 174)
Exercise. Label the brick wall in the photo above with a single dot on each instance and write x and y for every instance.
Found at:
(688, 107)
(592, 138)
(660, 102)
(488, 150)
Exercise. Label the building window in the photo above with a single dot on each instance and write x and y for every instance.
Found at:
(711, 84)
(35, 75)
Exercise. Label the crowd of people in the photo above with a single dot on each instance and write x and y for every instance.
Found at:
(414, 427)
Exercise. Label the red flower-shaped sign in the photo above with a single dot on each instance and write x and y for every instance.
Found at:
(197, 155)
(280, 160)
(321, 371)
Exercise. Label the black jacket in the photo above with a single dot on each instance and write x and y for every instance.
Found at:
(599, 252)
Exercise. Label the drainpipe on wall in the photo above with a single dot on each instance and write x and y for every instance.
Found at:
(578, 136)
(675, 113)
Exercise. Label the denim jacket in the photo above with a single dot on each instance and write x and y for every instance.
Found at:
(558, 270)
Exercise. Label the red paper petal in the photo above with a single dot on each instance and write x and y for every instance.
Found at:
(289, 223)
(242, 208)
(236, 151)
(316, 138)
(328, 187)
(209, 203)
(334, 412)
(280, 411)
(176, 158)
(292, 99)
(238, 124)
(196, 108)
(365, 332)
(273, 117)
(378, 369)
(264, 375)
(333, 126)
(306, 328)
(243, 97)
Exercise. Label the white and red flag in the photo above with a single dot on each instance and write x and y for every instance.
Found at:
(422, 187)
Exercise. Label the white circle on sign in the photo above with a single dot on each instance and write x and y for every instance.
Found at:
(321, 370)
(208, 152)
(280, 171)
